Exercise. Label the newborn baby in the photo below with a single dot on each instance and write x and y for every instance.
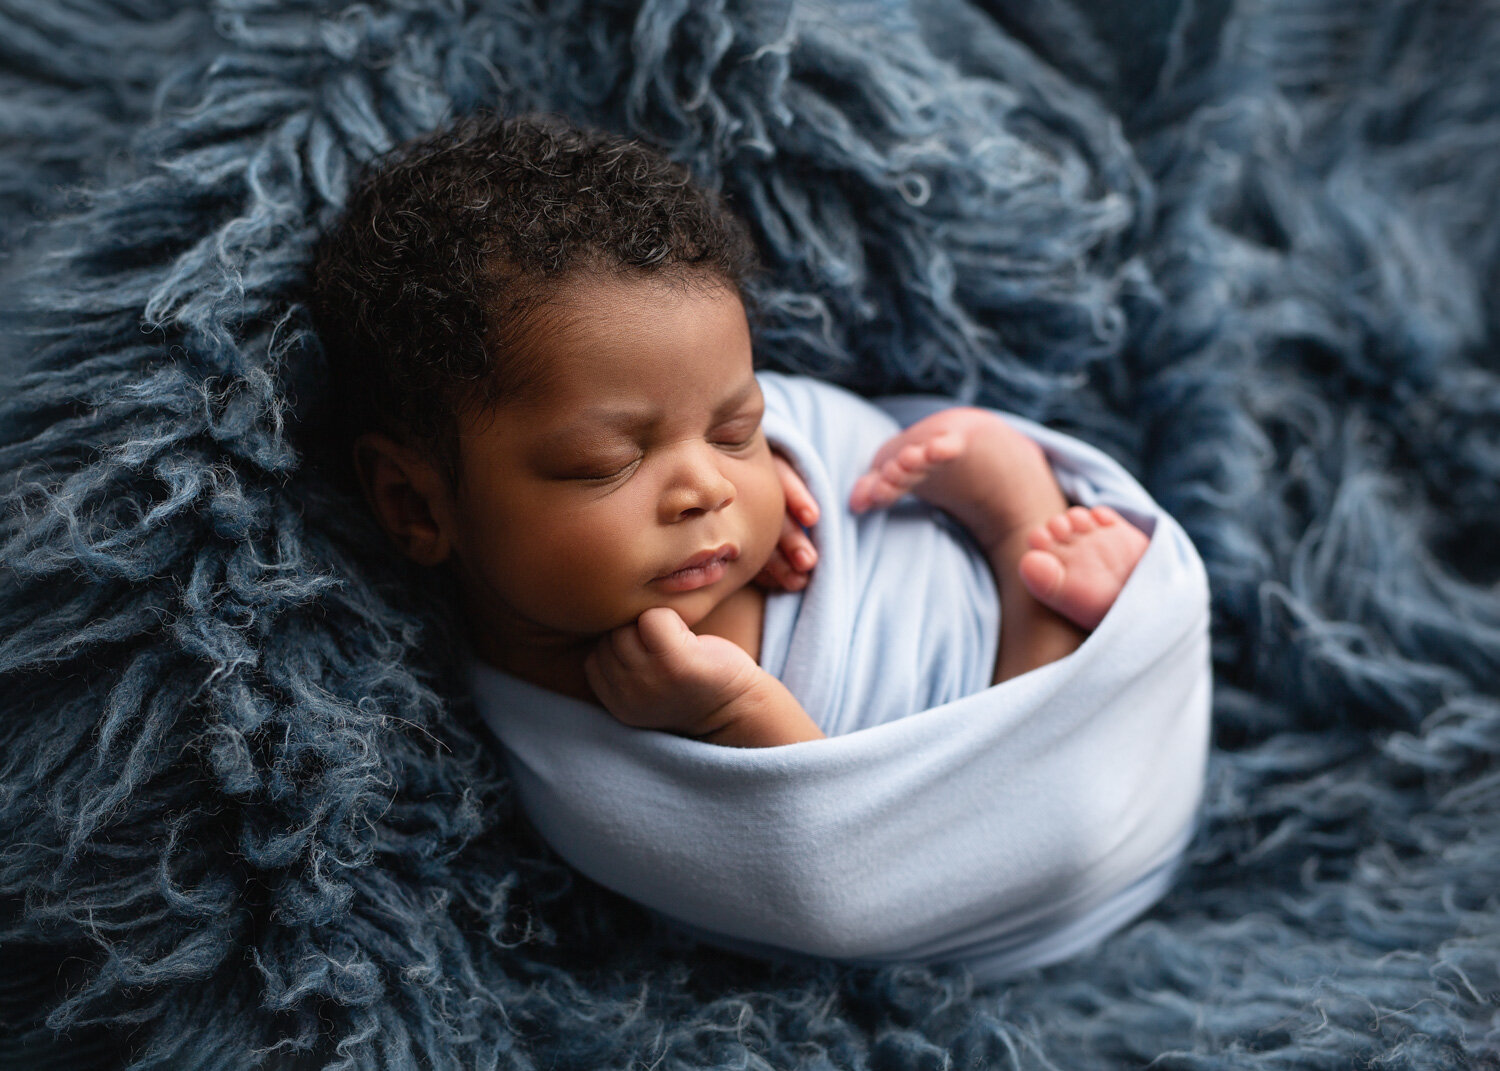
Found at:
(598, 481)
(542, 341)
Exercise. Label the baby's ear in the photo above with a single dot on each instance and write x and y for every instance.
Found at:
(408, 494)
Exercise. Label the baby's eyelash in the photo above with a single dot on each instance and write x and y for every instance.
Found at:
(745, 440)
(601, 477)
(729, 444)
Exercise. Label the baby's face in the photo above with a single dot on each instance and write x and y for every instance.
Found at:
(637, 477)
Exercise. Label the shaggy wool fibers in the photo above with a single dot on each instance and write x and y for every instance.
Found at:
(1249, 248)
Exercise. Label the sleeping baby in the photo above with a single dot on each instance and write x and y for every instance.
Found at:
(592, 465)
(959, 661)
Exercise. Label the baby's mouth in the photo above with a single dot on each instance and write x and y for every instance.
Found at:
(702, 569)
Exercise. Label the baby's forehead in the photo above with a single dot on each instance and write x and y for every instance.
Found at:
(589, 316)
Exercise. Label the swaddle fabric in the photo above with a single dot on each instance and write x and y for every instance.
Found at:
(942, 819)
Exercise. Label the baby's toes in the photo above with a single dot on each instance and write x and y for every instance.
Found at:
(912, 457)
(1041, 537)
(862, 494)
(1042, 573)
(872, 491)
(899, 475)
(903, 469)
(887, 486)
(943, 448)
(1105, 517)
(1080, 520)
(1061, 527)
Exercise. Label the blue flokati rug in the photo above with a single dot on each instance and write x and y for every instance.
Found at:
(1252, 250)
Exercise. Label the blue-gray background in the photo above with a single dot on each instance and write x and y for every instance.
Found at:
(1249, 248)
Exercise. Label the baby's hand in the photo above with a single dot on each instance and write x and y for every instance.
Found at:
(794, 556)
(655, 673)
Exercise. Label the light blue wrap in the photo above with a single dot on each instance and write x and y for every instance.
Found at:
(943, 819)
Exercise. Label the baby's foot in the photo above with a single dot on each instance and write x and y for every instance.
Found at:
(970, 462)
(1079, 560)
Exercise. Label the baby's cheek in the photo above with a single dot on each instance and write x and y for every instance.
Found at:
(767, 515)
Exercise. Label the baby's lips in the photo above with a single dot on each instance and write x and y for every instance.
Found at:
(722, 554)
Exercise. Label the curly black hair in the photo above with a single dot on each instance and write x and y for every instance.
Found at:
(422, 290)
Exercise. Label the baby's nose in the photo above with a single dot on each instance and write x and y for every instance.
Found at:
(701, 487)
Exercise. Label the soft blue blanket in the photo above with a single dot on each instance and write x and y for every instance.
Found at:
(1249, 249)
(944, 819)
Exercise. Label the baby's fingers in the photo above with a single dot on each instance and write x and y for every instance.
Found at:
(780, 575)
(624, 647)
(796, 547)
(799, 500)
(792, 559)
(631, 654)
(661, 632)
(602, 670)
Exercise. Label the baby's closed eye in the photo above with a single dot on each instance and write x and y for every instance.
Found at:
(739, 432)
(599, 469)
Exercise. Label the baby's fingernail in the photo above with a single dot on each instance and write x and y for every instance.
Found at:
(804, 557)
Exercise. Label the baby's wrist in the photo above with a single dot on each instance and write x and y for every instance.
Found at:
(743, 700)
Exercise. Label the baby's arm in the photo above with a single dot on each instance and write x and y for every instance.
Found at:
(1058, 569)
(657, 674)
